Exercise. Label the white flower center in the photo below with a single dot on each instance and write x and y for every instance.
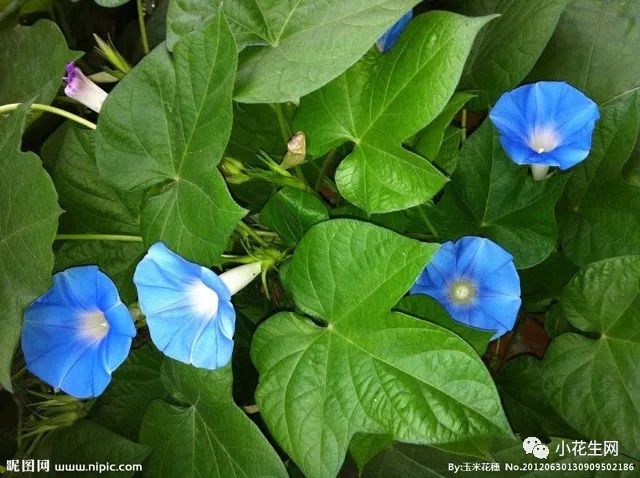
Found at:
(203, 299)
(462, 292)
(94, 325)
(544, 139)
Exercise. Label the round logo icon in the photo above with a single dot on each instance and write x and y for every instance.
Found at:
(541, 451)
(529, 444)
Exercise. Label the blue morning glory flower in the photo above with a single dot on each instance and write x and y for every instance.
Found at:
(390, 37)
(476, 281)
(549, 123)
(77, 332)
(188, 307)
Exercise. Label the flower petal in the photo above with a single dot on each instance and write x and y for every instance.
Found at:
(521, 153)
(74, 288)
(212, 339)
(116, 350)
(120, 321)
(441, 267)
(568, 155)
(542, 101)
(540, 119)
(574, 112)
(227, 319)
(170, 266)
(479, 258)
(86, 375)
(488, 269)
(500, 313)
(82, 89)
(507, 115)
(188, 308)
(212, 280)
(390, 37)
(64, 345)
(51, 352)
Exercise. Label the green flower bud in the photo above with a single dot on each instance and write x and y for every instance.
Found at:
(233, 170)
(113, 56)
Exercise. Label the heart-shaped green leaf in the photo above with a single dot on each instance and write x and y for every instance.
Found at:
(28, 223)
(591, 47)
(429, 141)
(291, 212)
(86, 443)
(491, 196)
(543, 283)
(447, 158)
(364, 447)
(530, 414)
(95, 204)
(293, 48)
(92, 205)
(164, 128)
(592, 380)
(366, 369)
(256, 128)
(508, 48)
(427, 308)
(598, 200)
(33, 60)
(206, 435)
(135, 384)
(383, 100)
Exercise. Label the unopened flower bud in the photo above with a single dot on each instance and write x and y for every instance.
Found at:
(82, 89)
(296, 151)
(233, 170)
(113, 56)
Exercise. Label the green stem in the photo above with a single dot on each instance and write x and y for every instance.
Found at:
(33, 444)
(297, 182)
(428, 223)
(229, 259)
(326, 166)
(50, 109)
(421, 237)
(143, 27)
(20, 425)
(10, 7)
(282, 122)
(285, 131)
(248, 231)
(19, 373)
(97, 237)
(267, 233)
(281, 180)
(463, 123)
(300, 175)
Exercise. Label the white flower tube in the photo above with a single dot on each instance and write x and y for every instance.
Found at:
(539, 171)
(239, 277)
(82, 89)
